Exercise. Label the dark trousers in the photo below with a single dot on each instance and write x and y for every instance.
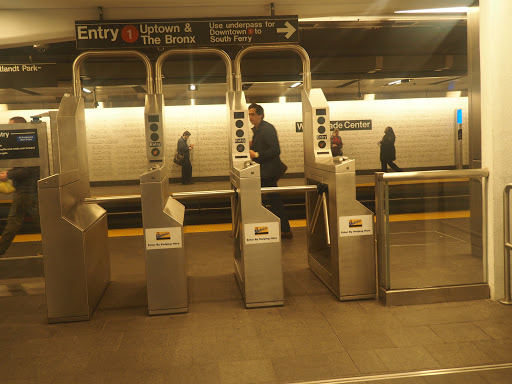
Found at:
(23, 204)
(394, 167)
(276, 204)
(186, 171)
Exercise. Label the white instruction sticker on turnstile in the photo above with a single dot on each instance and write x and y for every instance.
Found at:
(158, 238)
(356, 225)
(258, 233)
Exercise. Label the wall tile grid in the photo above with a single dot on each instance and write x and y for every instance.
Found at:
(425, 131)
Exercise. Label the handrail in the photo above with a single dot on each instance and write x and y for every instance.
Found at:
(426, 175)
(306, 63)
(506, 238)
(77, 89)
(201, 194)
(219, 52)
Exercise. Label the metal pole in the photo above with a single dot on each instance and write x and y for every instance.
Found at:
(77, 88)
(428, 175)
(508, 246)
(202, 194)
(219, 52)
(306, 64)
(326, 218)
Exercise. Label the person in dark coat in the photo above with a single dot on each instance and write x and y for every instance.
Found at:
(24, 198)
(265, 150)
(184, 149)
(387, 151)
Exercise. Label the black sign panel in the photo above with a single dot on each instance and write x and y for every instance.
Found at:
(189, 32)
(19, 144)
(28, 75)
(343, 125)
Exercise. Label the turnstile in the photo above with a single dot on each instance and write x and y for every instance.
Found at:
(256, 230)
(341, 245)
(74, 235)
(162, 216)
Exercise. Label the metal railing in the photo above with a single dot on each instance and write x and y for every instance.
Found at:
(200, 194)
(506, 237)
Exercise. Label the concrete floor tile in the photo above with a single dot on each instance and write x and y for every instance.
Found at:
(365, 340)
(496, 328)
(407, 359)
(459, 378)
(247, 372)
(367, 362)
(458, 355)
(302, 368)
(409, 336)
(311, 344)
(499, 350)
(459, 332)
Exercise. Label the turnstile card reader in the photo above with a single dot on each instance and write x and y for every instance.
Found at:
(341, 252)
(154, 121)
(256, 230)
(238, 118)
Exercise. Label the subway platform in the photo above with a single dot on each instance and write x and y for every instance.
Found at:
(312, 338)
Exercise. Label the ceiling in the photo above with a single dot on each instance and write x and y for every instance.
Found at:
(350, 56)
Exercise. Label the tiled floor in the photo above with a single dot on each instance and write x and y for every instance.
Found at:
(312, 337)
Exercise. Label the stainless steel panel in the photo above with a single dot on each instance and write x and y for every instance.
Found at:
(166, 268)
(345, 263)
(434, 295)
(75, 249)
(258, 266)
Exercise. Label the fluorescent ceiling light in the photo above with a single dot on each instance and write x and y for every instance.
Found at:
(395, 82)
(86, 90)
(437, 10)
(295, 85)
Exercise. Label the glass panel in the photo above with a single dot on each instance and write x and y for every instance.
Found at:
(431, 243)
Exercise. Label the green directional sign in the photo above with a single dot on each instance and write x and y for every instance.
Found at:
(175, 33)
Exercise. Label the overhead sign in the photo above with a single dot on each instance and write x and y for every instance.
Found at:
(186, 32)
(28, 75)
(343, 125)
(19, 144)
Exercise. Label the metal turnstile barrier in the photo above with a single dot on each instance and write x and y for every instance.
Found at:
(74, 234)
(163, 216)
(256, 230)
(341, 251)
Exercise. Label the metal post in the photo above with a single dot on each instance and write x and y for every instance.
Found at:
(506, 237)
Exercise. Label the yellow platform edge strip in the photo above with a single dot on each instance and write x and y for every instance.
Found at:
(128, 232)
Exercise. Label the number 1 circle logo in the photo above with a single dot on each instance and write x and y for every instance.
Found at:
(129, 33)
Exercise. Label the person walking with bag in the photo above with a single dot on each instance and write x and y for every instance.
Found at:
(387, 151)
(184, 149)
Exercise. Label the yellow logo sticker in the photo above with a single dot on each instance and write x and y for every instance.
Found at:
(163, 235)
(261, 230)
(355, 223)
